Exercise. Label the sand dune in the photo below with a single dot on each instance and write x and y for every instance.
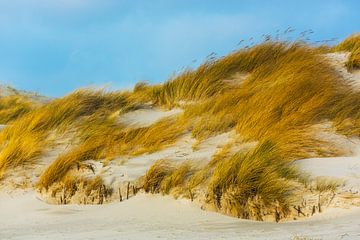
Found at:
(26, 215)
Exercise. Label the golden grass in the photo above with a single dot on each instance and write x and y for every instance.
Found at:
(165, 175)
(290, 88)
(61, 166)
(259, 174)
(77, 189)
(20, 151)
(13, 107)
(177, 178)
(208, 79)
(104, 139)
(351, 44)
(26, 138)
(243, 185)
(156, 174)
(324, 184)
(294, 90)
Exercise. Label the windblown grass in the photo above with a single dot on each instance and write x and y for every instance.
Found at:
(104, 139)
(293, 90)
(164, 176)
(290, 89)
(13, 107)
(208, 80)
(156, 174)
(26, 138)
(243, 185)
(258, 177)
(352, 45)
(76, 189)
(323, 184)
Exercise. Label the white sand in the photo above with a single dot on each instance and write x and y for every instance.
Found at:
(146, 117)
(130, 168)
(342, 168)
(338, 60)
(156, 217)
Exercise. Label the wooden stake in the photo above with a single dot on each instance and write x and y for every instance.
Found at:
(64, 195)
(134, 190)
(120, 196)
(191, 195)
(127, 191)
(100, 195)
(277, 215)
(298, 209)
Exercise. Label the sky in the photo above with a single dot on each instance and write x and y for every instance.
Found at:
(54, 47)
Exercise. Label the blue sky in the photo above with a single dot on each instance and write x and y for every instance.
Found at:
(54, 47)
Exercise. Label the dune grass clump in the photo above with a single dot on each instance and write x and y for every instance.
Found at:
(352, 45)
(77, 189)
(164, 176)
(61, 166)
(247, 184)
(288, 93)
(104, 139)
(208, 79)
(13, 107)
(156, 174)
(26, 138)
(323, 184)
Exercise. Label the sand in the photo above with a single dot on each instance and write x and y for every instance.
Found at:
(23, 216)
(147, 116)
(338, 60)
(346, 169)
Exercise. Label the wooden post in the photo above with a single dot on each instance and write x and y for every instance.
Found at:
(120, 196)
(191, 195)
(134, 190)
(332, 198)
(277, 215)
(127, 191)
(64, 195)
(100, 195)
(298, 209)
(313, 210)
(319, 204)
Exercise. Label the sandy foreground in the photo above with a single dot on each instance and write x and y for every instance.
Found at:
(23, 216)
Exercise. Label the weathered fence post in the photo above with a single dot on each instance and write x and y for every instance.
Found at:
(191, 195)
(134, 190)
(120, 196)
(127, 191)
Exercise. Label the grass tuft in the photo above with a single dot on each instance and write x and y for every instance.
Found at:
(351, 44)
